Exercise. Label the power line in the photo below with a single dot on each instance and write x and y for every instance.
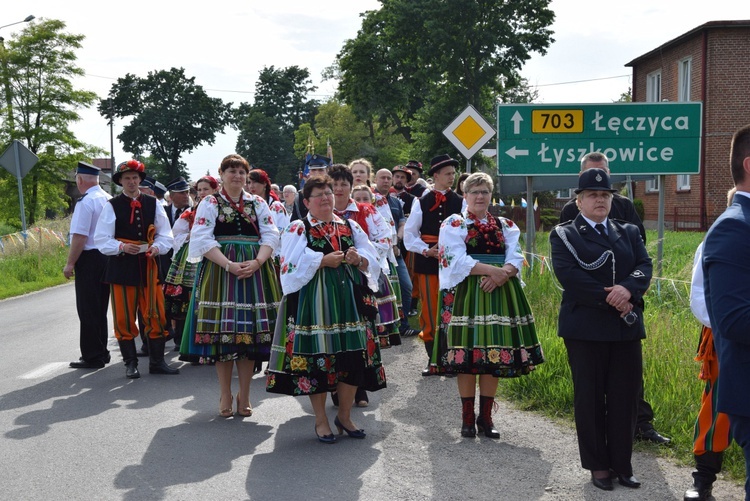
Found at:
(581, 81)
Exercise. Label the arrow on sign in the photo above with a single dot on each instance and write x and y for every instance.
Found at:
(516, 119)
(513, 153)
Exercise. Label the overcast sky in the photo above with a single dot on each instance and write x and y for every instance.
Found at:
(225, 43)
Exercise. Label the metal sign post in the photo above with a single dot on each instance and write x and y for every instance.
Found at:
(19, 160)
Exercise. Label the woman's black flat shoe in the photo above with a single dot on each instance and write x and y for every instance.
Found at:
(351, 433)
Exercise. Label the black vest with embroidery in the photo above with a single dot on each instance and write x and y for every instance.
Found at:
(127, 269)
(479, 243)
(229, 221)
(431, 221)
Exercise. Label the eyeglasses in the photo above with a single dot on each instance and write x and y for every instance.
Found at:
(325, 194)
(479, 193)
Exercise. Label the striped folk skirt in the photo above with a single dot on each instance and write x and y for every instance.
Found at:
(231, 318)
(320, 340)
(481, 333)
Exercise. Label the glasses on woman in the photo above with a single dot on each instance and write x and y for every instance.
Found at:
(324, 194)
(479, 193)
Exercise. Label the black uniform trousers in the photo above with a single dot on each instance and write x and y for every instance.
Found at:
(92, 302)
(606, 383)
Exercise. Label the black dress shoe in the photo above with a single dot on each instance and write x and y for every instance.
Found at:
(604, 484)
(82, 364)
(698, 492)
(628, 481)
(652, 435)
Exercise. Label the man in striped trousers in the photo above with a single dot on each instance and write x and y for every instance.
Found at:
(133, 230)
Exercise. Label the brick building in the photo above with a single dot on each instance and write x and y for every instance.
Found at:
(710, 63)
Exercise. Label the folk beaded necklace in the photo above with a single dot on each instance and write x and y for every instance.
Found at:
(489, 230)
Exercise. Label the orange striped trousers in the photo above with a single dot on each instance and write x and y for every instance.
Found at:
(712, 427)
(428, 288)
(127, 300)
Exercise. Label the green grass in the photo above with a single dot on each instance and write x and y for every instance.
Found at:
(36, 265)
(670, 373)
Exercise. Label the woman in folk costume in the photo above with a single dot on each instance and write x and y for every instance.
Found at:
(379, 231)
(323, 342)
(237, 293)
(181, 275)
(486, 326)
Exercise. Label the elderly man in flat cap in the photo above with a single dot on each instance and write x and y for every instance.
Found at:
(87, 265)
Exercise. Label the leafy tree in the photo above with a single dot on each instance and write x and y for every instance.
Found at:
(171, 115)
(38, 67)
(625, 97)
(282, 94)
(262, 140)
(267, 127)
(416, 63)
(349, 137)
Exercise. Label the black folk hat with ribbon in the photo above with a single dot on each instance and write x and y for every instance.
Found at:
(441, 161)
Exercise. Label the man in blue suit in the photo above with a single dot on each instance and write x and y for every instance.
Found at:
(726, 269)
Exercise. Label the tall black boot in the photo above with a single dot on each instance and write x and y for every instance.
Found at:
(428, 347)
(156, 363)
(707, 466)
(484, 421)
(467, 414)
(127, 348)
(143, 352)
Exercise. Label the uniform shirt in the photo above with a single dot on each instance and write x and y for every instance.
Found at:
(86, 214)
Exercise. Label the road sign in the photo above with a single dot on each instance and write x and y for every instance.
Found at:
(25, 158)
(637, 138)
(469, 132)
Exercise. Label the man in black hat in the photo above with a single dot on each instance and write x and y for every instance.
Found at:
(622, 210)
(133, 230)
(87, 265)
(604, 269)
(414, 186)
(421, 236)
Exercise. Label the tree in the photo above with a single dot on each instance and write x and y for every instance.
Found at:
(38, 66)
(282, 94)
(267, 127)
(416, 63)
(262, 140)
(171, 115)
(349, 137)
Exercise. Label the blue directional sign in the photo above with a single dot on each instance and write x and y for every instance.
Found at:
(637, 138)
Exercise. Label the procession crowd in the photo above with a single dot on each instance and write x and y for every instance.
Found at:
(314, 283)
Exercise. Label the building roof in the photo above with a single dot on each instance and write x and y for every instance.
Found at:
(703, 27)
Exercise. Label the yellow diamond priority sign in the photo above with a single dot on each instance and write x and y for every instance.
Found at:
(469, 132)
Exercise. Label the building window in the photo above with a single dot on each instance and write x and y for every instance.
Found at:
(683, 77)
(652, 185)
(565, 193)
(653, 87)
(683, 182)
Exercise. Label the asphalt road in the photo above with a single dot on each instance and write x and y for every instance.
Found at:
(93, 435)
